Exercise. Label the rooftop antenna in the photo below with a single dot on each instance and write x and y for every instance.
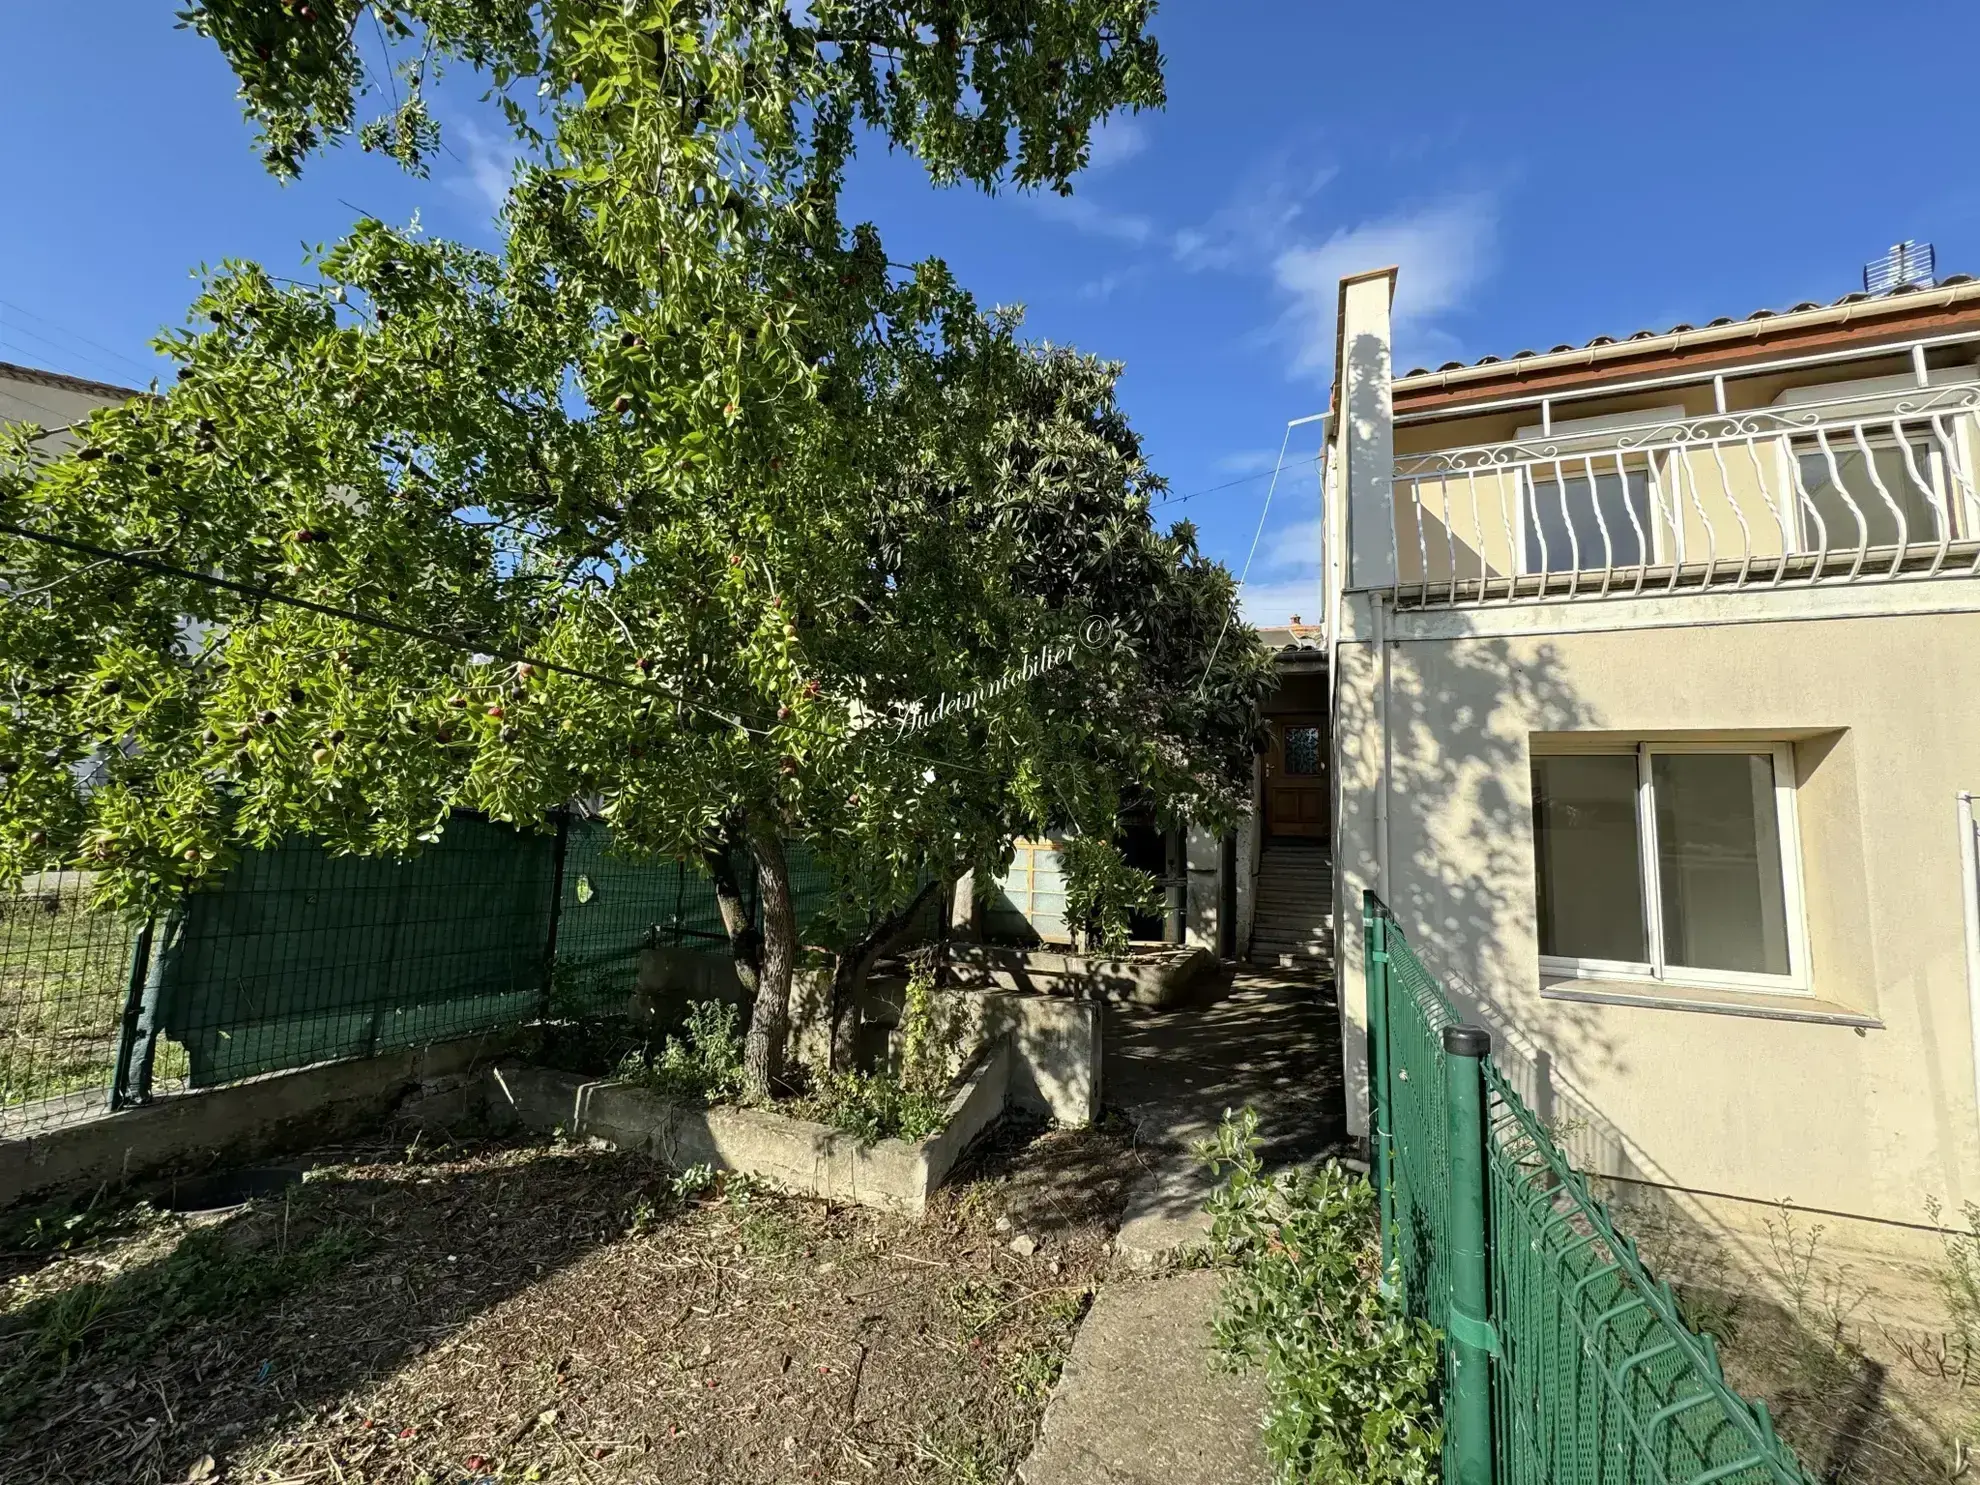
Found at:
(1906, 263)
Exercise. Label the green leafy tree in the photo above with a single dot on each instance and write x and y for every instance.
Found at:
(680, 504)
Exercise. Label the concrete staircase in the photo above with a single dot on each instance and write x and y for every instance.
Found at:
(1292, 916)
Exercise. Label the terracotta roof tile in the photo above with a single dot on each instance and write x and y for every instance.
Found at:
(1856, 296)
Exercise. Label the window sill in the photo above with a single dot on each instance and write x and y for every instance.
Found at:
(1757, 1004)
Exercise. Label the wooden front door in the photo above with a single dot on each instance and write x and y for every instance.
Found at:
(1296, 800)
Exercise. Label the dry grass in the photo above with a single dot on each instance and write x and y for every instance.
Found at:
(533, 1312)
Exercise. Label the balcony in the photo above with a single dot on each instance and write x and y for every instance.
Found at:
(1858, 488)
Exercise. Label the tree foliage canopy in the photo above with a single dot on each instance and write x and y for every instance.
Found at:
(682, 504)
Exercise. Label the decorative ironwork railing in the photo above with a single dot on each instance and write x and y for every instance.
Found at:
(1857, 488)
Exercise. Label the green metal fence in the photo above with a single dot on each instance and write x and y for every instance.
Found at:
(65, 975)
(1566, 1362)
(298, 956)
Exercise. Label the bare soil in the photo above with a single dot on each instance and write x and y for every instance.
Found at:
(504, 1311)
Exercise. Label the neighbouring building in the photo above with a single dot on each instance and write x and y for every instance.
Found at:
(51, 399)
(1655, 672)
(1262, 894)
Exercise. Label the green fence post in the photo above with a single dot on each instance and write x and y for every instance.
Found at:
(1472, 1341)
(1375, 982)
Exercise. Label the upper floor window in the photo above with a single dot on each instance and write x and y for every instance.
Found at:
(1568, 527)
(1840, 482)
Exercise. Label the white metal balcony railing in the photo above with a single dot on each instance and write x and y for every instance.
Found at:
(1857, 488)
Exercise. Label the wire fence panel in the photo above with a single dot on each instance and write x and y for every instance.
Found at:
(1421, 1163)
(1599, 1379)
(65, 974)
(300, 956)
(1595, 1379)
(612, 909)
(297, 957)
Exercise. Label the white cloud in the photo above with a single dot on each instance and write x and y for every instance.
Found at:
(1083, 214)
(489, 163)
(1442, 252)
(1111, 282)
(1256, 223)
(1290, 548)
(1115, 141)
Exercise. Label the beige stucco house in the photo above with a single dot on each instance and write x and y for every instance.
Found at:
(53, 399)
(1655, 687)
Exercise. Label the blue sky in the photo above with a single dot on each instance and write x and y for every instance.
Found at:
(1540, 176)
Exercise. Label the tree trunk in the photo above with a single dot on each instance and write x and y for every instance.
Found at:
(745, 946)
(769, 1022)
(850, 973)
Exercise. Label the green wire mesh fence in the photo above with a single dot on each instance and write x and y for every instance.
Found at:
(298, 956)
(611, 912)
(1593, 1376)
(65, 972)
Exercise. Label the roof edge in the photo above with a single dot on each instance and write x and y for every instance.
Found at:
(34, 374)
(1514, 371)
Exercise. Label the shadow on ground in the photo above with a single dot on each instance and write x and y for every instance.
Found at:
(1264, 1039)
(1268, 1040)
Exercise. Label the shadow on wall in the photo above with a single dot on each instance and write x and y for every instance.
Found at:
(1461, 716)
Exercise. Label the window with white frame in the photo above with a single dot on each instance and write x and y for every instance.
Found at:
(1571, 521)
(1853, 485)
(1670, 862)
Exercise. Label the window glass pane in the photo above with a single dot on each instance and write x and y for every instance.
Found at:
(1585, 848)
(1719, 861)
(1921, 514)
(1552, 509)
(1303, 750)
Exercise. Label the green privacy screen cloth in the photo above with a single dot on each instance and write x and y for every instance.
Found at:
(301, 956)
(612, 908)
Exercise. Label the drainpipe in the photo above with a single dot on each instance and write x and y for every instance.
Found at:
(1381, 627)
(1969, 862)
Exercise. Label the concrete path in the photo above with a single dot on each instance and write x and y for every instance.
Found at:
(1140, 1403)
(1261, 1039)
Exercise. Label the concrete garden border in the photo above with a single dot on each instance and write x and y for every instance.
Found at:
(800, 1155)
(1153, 978)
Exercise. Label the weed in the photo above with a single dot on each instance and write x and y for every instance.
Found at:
(977, 1303)
(963, 1458)
(1034, 1372)
(1710, 1310)
(1794, 1257)
(875, 1106)
(695, 1181)
(1959, 1275)
(206, 1275)
(1353, 1384)
(906, 1104)
(1822, 1298)
(769, 1232)
(704, 1065)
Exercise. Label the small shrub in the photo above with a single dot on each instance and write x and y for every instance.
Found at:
(1103, 892)
(703, 1065)
(1353, 1384)
(695, 1181)
(904, 1104)
(875, 1106)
